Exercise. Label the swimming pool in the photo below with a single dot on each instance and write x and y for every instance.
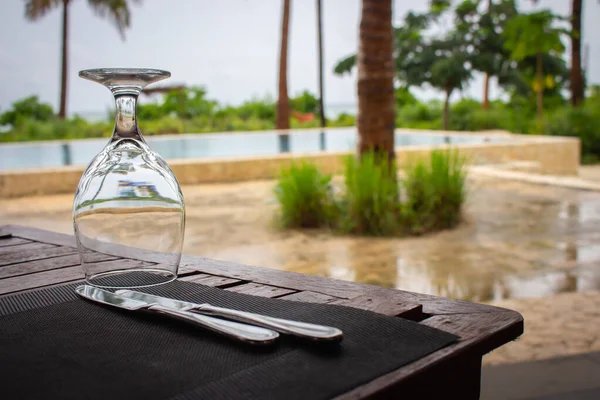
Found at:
(17, 156)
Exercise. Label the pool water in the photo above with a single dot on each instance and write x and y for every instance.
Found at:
(215, 145)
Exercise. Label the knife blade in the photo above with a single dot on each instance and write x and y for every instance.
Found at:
(241, 332)
(290, 327)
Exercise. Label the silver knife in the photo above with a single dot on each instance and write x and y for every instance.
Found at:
(296, 328)
(242, 332)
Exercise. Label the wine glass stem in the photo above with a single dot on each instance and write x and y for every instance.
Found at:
(126, 126)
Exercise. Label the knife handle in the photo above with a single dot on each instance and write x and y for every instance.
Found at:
(290, 327)
(242, 332)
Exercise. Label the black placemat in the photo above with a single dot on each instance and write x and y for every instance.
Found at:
(56, 345)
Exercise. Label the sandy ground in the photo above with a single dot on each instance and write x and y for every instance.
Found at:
(560, 325)
(535, 249)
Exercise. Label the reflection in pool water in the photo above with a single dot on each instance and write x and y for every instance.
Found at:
(215, 145)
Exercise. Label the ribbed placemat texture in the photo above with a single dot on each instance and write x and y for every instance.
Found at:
(56, 345)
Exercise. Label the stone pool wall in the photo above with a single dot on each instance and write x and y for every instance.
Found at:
(550, 155)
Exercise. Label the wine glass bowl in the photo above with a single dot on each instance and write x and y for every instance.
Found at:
(128, 199)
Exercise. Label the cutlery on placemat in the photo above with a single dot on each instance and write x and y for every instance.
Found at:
(296, 328)
(242, 332)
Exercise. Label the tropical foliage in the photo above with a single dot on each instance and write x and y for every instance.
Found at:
(305, 196)
(523, 51)
(116, 11)
(532, 35)
(373, 200)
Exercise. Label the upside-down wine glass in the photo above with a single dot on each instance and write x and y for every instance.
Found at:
(128, 201)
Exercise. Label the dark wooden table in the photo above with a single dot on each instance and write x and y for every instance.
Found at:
(33, 258)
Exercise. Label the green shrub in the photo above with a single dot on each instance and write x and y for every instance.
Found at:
(404, 97)
(162, 126)
(305, 197)
(75, 128)
(343, 119)
(305, 102)
(481, 120)
(420, 116)
(370, 204)
(435, 192)
(461, 113)
(259, 108)
(582, 122)
(149, 112)
(29, 108)
(434, 189)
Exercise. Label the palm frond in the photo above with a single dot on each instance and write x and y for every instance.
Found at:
(116, 11)
(35, 9)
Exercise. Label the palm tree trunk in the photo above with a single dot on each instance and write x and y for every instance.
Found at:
(576, 74)
(486, 82)
(447, 109)
(282, 120)
(376, 106)
(320, 44)
(540, 87)
(486, 91)
(63, 78)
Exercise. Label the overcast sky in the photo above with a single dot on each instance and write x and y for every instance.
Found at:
(229, 46)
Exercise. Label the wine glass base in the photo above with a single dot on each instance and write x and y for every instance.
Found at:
(131, 278)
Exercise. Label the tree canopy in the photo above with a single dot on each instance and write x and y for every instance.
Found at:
(487, 36)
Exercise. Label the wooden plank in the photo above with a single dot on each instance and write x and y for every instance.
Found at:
(11, 241)
(56, 276)
(40, 235)
(432, 305)
(256, 289)
(479, 326)
(378, 304)
(385, 306)
(311, 297)
(203, 265)
(211, 280)
(23, 256)
(31, 267)
(335, 288)
(494, 330)
(25, 247)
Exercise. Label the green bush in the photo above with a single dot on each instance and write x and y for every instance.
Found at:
(75, 128)
(404, 97)
(256, 108)
(148, 112)
(420, 116)
(581, 122)
(162, 126)
(370, 204)
(435, 192)
(305, 102)
(461, 113)
(481, 120)
(28, 108)
(305, 197)
(343, 119)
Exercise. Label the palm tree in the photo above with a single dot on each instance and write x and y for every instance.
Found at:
(282, 120)
(320, 45)
(576, 74)
(576, 77)
(115, 10)
(376, 107)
